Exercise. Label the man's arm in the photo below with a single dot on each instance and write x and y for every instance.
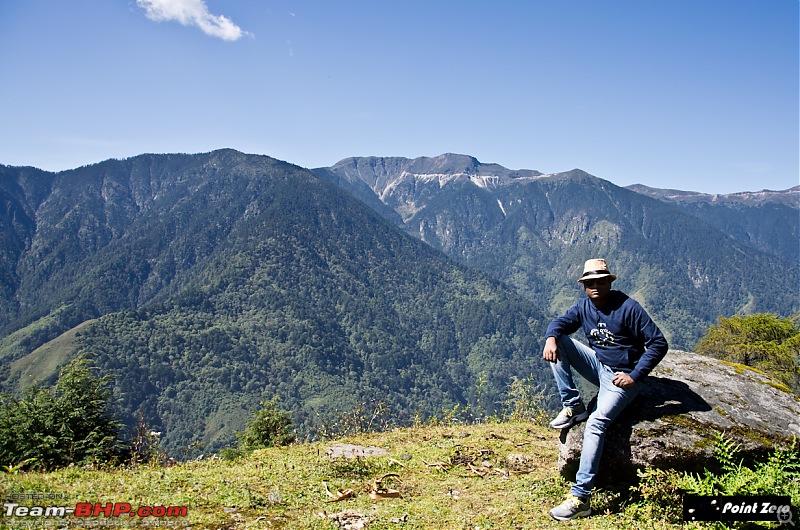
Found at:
(566, 324)
(654, 342)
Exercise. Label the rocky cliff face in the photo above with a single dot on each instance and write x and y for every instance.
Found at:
(674, 423)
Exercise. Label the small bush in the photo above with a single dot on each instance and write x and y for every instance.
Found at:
(69, 423)
(270, 427)
(526, 402)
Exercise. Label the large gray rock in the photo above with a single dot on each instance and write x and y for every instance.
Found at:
(674, 422)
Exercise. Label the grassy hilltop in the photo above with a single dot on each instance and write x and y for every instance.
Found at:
(491, 475)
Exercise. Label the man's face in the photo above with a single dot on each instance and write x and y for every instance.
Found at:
(597, 289)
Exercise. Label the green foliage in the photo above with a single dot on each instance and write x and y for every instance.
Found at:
(18, 467)
(779, 475)
(661, 492)
(526, 402)
(364, 417)
(357, 467)
(763, 341)
(69, 423)
(658, 495)
(269, 427)
(144, 446)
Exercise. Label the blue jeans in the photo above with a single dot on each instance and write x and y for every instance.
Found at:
(611, 400)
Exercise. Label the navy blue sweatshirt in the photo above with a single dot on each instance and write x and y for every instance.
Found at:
(622, 334)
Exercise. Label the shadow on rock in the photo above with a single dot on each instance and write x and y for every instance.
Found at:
(674, 422)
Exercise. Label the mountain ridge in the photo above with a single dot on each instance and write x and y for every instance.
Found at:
(469, 165)
(768, 220)
(524, 230)
(219, 280)
(790, 196)
(216, 280)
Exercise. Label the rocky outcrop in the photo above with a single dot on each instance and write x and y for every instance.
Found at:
(675, 421)
(350, 451)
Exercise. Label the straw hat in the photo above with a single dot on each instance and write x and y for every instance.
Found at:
(595, 268)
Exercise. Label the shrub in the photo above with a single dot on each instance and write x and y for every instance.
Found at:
(763, 341)
(269, 427)
(69, 423)
(526, 402)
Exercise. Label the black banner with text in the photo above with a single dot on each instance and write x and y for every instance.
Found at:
(738, 508)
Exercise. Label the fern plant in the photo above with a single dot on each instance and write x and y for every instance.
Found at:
(779, 475)
(662, 491)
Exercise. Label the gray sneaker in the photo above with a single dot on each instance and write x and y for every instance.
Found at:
(569, 416)
(572, 508)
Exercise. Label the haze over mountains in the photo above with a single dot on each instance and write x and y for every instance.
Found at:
(205, 283)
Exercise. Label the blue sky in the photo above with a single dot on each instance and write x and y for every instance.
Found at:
(689, 94)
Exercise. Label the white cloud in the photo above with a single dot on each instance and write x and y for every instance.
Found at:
(192, 13)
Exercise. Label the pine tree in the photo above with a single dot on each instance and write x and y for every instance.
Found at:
(69, 423)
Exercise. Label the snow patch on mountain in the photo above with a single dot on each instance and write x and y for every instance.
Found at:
(500, 203)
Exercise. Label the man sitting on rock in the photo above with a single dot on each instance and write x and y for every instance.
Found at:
(624, 346)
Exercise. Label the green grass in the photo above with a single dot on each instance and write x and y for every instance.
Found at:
(450, 477)
(44, 363)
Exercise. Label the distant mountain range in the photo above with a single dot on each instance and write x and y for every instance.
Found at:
(688, 262)
(205, 283)
(790, 197)
(767, 220)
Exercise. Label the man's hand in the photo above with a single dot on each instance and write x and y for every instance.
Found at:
(550, 352)
(622, 380)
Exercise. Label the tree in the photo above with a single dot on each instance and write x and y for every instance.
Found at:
(763, 341)
(69, 423)
(270, 427)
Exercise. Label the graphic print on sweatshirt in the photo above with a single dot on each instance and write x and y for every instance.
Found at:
(602, 335)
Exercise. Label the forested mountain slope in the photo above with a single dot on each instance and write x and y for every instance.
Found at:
(767, 220)
(222, 279)
(534, 232)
